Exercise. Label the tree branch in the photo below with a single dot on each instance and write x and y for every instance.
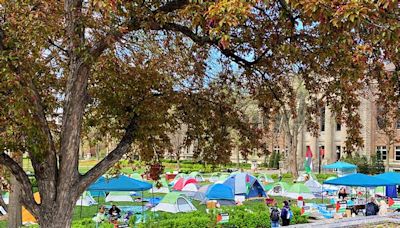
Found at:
(172, 6)
(114, 156)
(22, 178)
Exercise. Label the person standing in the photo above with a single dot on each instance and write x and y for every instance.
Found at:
(286, 214)
(274, 216)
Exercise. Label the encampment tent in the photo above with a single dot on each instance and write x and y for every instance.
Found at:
(279, 189)
(163, 189)
(214, 177)
(246, 185)
(223, 194)
(177, 177)
(190, 189)
(86, 200)
(174, 202)
(27, 217)
(197, 176)
(200, 195)
(120, 183)
(299, 189)
(314, 186)
(119, 197)
(342, 168)
(360, 180)
(264, 178)
(182, 182)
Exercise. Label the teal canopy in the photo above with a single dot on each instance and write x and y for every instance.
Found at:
(391, 176)
(120, 183)
(359, 180)
(340, 165)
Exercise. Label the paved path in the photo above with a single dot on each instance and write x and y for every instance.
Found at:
(360, 221)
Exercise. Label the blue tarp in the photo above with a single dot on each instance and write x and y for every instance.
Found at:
(359, 179)
(392, 176)
(220, 192)
(120, 183)
(340, 165)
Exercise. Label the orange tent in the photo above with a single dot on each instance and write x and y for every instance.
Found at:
(26, 215)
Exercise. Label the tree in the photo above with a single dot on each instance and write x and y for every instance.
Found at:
(125, 68)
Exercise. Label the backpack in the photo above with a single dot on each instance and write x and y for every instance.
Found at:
(370, 209)
(275, 215)
(289, 214)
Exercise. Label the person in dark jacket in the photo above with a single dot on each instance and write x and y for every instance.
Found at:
(285, 214)
(274, 216)
(114, 213)
(372, 207)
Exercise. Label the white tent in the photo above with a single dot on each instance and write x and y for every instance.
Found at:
(190, 188)
(86, 200)
(174, 202)
(119, 197)
(314, 186)
(162, 189)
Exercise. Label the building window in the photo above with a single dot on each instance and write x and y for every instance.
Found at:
(276, 149)
(398, 124)
(338, 127)
(322, 119)
(381, 152)
(338, 153)
(397, 153)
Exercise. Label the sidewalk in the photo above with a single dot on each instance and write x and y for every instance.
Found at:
(360, 221)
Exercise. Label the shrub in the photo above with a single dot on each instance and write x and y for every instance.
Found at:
(297, 217)
(241, 216)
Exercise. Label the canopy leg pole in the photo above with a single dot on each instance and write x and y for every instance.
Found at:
(80, 214)
(142, 208)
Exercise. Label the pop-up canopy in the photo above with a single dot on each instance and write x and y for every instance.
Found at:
(120, 183)
(359, 180)
(392, 176)
(340, 165)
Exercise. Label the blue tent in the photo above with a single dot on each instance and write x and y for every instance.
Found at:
(245, 184)
(120, 183)
(359, 179)
(98, 193)
(220, 192)
(340, 165)
(392, 176)
(391, 190)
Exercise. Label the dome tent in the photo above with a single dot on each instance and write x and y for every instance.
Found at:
(119, 197)
(136, 176)
(262, 177)
(190, 189)
(214, 177)
(246, 185)
(178, 186)
(197, 176)
(163, 189)
(174, 202)
(314, 186)
(279, 189)
(86, 200)
(223, 194)
(299, 189)
(200, 195)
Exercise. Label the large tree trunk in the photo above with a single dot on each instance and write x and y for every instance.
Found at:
(15, 207)
(60, 218)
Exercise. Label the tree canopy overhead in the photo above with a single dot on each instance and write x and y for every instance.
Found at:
(139, 69)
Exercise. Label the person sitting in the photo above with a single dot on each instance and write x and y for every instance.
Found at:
(342, 193)
(101, 215)
(114, 213)
(383, 207)
(372, 207)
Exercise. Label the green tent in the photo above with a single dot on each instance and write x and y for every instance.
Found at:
(262, 177)
(197, 176)
(214, 177)
(279, 189)
(174, 202)
(223, 177)
(269, 186)
(299, 189)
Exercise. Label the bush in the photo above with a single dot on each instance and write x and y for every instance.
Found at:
(241, 216)
(287, 175)
(324, 176)
(297, 217)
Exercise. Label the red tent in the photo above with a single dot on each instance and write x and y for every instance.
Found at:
(181, 182)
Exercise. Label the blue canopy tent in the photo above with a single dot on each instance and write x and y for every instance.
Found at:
(359, 180)
(391, 190)
(342, 168)
(120, 183)
(98, 194)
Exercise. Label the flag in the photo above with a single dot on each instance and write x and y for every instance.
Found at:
(322, 152)
(247, 182)
(390, 202)
(308, 161)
